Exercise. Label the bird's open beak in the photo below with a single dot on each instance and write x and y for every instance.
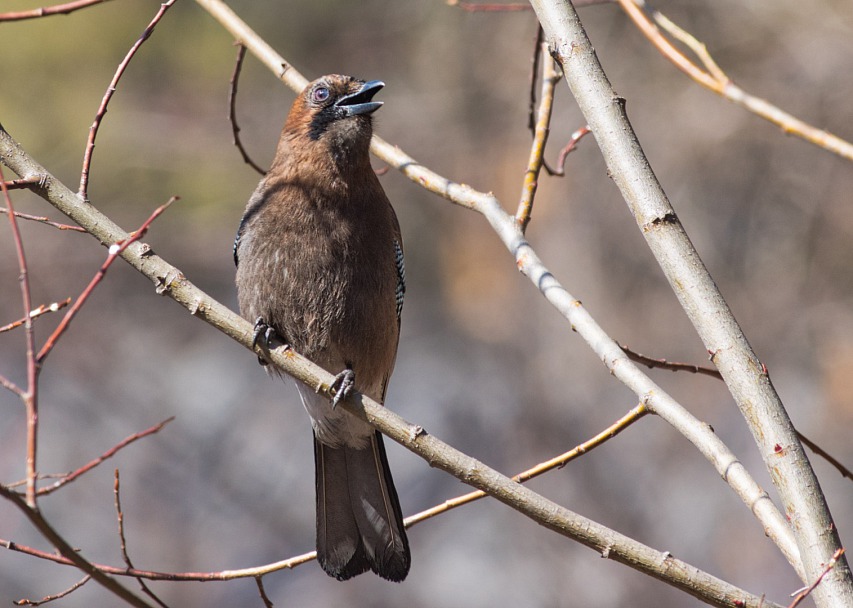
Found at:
(361, 102)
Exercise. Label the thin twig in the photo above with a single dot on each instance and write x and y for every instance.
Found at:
(69, 554)
(44, 220)
(123, 542)
(42, 309)
(30, 397)
(534, 78)
(805, 592)
(102, 109)
(21, 184)
(845, 472)
(46, 11)
(550, 78)
(57, 596)
(574, 140)
(264, 597)
(557, 462)
(69, 477)
(715, 80)
(652, 363)
(232, 109)
(115, 251)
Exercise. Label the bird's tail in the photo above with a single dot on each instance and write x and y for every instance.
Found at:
(359, 522)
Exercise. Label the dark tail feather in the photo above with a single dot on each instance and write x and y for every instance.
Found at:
(359, 522)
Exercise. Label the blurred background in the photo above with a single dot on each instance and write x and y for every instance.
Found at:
(484, 362)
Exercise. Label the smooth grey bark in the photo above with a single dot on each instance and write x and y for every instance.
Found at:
(745, 376)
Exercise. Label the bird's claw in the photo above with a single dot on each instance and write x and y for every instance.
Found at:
(263, 336)
(343, 384)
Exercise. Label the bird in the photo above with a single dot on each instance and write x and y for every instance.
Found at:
(320, 267)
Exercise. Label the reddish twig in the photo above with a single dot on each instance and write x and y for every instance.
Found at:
(68, 478)
(123, 542)
(115, 251)
(50, 598)
(805, 592)
(42, 309)
(102, 109)
(30, 396)
(20, 184)
(264, 597)
(46, 11)
(560, 171)
(44, 220)
(651, 362)
(554, 463)
(232, 109)
(845, 472)
(68, 554)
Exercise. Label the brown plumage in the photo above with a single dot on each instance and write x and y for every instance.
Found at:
(320, 263)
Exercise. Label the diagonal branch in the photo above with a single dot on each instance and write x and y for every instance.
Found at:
(745, 376)
(168, 280)
(715, 80)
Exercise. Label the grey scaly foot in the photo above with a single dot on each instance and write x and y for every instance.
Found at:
(343, 385)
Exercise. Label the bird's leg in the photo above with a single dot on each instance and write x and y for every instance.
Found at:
(263, 336)
(343, 384)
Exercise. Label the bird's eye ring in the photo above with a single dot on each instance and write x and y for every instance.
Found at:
(320, 94)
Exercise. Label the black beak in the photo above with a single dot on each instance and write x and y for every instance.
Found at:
(361, 102)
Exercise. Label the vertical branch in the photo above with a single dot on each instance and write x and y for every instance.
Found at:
(550, 78)
(30, 397)
(746, 377)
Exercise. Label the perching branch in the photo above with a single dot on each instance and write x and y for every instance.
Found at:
(168, 280)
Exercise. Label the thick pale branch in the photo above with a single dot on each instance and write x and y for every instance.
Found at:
(744, 374)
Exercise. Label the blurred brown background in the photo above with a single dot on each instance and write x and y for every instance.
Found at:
(484, 362)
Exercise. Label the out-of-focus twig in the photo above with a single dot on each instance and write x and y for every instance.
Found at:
(714, 79)
(102, 109)
(805, 592)
(115, 250)
(123, 542)
(30, 396)
(40, 310)
(56, 596)
(570, 147)
(550, 77)
(69, 477)
(557, 462)
(44, 220)
(232, 109)
(45, 11)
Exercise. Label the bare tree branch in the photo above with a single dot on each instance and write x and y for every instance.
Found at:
(170, 281)
(699, 296)
(46, 11)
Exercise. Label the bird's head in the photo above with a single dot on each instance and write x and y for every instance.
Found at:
(335, 109)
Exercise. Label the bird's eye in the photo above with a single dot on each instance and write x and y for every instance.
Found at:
(320, 94)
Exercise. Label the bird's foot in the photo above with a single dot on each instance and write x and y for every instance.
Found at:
(264, 334)
(343, 384)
